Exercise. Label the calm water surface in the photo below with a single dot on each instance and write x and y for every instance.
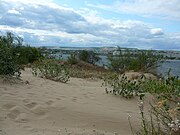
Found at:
(174, 65)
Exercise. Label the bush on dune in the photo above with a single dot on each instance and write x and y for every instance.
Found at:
(13, 54)
(125, 60)
(165, 111)
(164, 115)
(51, 69)
(72, 59)
(88, 56)
(27, 54)
(121, 85)
(8, 58)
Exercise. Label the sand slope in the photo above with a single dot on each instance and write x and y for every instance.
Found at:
(45, 107)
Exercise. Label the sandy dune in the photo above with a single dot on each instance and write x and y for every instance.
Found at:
(45, 107)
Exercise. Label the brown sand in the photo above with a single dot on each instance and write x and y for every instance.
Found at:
(44, 107)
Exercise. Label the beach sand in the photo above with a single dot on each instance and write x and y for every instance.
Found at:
(43, 107)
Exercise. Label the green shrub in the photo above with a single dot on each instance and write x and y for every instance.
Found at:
(13, 54)
(89, 56)
(72, 59)
(27, 54)
(120, 61)
(164, 88)
(51, 69)
(121, 85)
(125, 60)
(8, 59)
(164, 114)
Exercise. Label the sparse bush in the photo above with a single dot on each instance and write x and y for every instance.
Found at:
(89, 56)
(121, 85)
(163, 88)
(164, 116)
(72, 59)
(125, 60)
(51, 69)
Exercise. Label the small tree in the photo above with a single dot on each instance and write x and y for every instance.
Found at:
(72, 59)
(8, 59)
(89, 56)
(27, 54)
(138, 61)
(13, 54)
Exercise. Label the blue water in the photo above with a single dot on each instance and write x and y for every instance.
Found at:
(174, 65)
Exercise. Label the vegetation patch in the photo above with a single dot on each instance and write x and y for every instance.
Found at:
(88, 56)
(14, 54)
(72, 59)
(124, 60)
(51, 69)
(86, 70)
(164, 115)
(121, 85)
(8, 58)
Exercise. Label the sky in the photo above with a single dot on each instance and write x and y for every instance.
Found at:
(143, 24)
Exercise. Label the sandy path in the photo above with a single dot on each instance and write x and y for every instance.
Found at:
(45, 107)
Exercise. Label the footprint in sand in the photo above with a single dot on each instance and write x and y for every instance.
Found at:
(26, 100)
(31, 105)
(8, 106)
(3, 88)
(50, 102)
(40, 111)
(74, 99)
(22, 117)
(31, 94)
(85, 95)
(13, 114)
(60, 97)
(9, 93)
(90, 94)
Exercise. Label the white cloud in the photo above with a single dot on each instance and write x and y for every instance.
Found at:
(156, 31)
(14, 11)
(167, 9)
(28, 1)
(46, 23)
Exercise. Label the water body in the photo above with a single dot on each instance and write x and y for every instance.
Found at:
(174, 65)
(162, 69)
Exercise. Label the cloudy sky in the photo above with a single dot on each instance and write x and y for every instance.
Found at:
(144, 24)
